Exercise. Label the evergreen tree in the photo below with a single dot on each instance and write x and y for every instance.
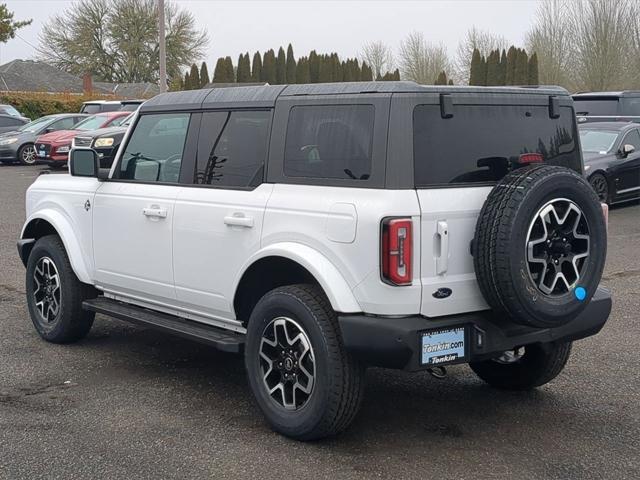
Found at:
(314, 67)
(493, 68)
(256, 69)
(186, 84)
(367, 72)
(442, 78)
(243, 75)
(281, 67)
(302, 70)
(204, 75)
(502, 78)
(218, 71)
(483, 71)
(476, 68)
(324, 69)
(194, 77)
(269, 67)
(450, 82)
(521, 76)
(357, 71)
(512, 56)
(176, 84)
(533, 70)
(291, 65)
(396, 75)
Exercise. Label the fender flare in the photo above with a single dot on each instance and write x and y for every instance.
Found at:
(63, 227)
(320, 267)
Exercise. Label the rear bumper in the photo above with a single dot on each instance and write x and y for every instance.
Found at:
(395, 342)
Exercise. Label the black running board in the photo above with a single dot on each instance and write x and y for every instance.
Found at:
(219, 338)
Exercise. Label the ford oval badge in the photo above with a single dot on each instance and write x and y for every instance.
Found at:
(442, 293)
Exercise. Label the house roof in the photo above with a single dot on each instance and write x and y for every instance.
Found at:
(35, 76)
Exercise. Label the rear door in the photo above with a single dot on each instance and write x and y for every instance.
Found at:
(218, 219)
(627, 173)
(460, 150)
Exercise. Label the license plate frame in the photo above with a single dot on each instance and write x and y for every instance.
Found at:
(441, 346)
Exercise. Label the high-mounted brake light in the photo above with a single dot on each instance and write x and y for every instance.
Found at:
(396, 248)
(527, 158)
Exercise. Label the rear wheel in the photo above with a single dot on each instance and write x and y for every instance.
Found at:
(27, 154)
(600, 185)
(55, 295)
(304, 381)
(526, 367)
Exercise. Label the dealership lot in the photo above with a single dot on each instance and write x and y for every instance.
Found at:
(131, 403)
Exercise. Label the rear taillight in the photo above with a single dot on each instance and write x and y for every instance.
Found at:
(396, 246)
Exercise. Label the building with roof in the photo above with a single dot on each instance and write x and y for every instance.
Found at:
(35, 76)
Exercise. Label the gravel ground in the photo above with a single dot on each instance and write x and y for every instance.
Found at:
(131, 403)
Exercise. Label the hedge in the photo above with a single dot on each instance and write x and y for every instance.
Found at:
(35, 105)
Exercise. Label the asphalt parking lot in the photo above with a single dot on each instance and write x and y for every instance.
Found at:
(131, 403)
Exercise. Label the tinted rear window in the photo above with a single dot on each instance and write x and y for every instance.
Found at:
(90, 108)
(482, 143)
(329, 141)
(596, 106)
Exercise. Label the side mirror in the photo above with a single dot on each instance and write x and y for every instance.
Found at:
(84, 162)
(627, 149)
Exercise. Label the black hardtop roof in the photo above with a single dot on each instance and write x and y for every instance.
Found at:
(265, 96)
(621, 126)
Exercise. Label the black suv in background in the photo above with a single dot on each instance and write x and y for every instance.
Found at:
(621, 106)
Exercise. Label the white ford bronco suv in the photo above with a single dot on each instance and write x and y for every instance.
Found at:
(320, 229)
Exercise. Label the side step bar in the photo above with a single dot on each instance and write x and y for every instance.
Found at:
(219, 338)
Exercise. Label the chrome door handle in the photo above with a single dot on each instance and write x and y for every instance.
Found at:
(155, 212)
(442, 261)
(238, 219)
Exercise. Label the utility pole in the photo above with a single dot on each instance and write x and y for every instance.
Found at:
(163, 49)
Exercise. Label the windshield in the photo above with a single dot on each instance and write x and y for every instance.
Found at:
(8, 109)
(596, 106)
(91, 123)
(35, 125)
(600, 141)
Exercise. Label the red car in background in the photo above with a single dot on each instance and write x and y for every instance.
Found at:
(53, 148)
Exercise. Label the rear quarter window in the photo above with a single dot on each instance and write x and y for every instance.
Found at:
(329, 141)
(480, 144)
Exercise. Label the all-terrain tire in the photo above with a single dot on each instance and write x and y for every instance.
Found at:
(66, 321)
(339, 379)
(501, 238)
(541, 363)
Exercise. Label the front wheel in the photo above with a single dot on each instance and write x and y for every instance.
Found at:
(526, 367)
(55, 295)
(600, 185)
(304, 381)
(27, 155)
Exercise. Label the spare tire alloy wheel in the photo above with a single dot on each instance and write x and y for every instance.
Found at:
(557, 246)
(540, 246)
(287, 363)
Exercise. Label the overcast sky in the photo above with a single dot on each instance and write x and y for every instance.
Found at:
(341, 26)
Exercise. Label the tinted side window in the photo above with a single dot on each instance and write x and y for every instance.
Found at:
(632, 138)
(154, 151)
(329, 141)
(631, 106)
(91, 108)
(232, 148)
(482, 143)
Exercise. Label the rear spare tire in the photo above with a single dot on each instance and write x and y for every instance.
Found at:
(540, 246)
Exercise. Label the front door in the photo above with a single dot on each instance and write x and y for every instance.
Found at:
(134, 212)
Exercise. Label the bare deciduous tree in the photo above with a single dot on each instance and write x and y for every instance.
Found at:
(378, 56)
(420, 60)
(550, 38)
(117, 40)
(484, 41)
(602, 31)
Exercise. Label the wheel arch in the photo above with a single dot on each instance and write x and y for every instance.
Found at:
(50, 222)
(289, 264)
